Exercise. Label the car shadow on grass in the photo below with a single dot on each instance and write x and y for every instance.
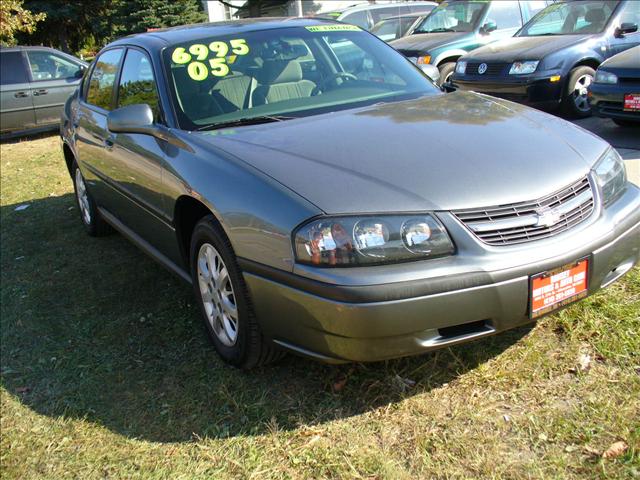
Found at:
(93, 329)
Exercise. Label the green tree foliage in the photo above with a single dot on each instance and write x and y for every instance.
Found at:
(77, 25)
(15, 18)
(141, 15)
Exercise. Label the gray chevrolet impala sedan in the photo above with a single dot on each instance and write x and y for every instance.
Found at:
(322, 196)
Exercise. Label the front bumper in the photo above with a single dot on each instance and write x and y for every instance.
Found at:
(608, 100)
(536, 92)
(353, 315)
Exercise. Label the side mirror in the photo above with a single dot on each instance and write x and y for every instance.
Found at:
(80, 72)
(489, 27)
(136, 118)
(626, 28)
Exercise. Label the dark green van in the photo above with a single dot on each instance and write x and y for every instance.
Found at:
(459, 26)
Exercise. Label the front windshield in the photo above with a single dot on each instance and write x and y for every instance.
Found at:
(576, 17)
(453, 17)
(295, 71)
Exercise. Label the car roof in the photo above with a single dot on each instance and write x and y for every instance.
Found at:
(368, 6)
(186, 33)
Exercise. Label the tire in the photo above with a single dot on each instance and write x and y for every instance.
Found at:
(446, 70)
(625, 123)
(223, 296)
(575, 102)
(93, 223)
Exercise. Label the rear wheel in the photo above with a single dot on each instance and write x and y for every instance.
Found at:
(576, 101)
(446, 72)
(91, 219)
(224, 299)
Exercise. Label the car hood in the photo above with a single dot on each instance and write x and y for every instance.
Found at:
(525, 48)
(440, 152)
(627, 60)
(423, 42)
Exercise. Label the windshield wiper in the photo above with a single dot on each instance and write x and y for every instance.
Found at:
(438, 30)
(240, 122)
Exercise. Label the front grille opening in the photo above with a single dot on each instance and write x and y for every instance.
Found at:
(501, 234)
(465, 329)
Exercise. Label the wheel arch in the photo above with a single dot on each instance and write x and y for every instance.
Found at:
(450, 56)
(188, 211)
(69, 156)
(587, 62)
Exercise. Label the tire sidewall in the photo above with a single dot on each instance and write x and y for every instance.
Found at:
(446, 69)
(91, 227)
(569, 104)
(206, 232)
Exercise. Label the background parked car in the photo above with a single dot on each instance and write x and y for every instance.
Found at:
(396, 27)
(615, 92)
(366, 16)
(457, 27)
(553, 59)
(34, 84)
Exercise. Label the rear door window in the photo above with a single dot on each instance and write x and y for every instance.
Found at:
(12, 69)
(49, 66)
(103, 77)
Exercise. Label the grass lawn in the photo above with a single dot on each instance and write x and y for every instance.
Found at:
(107, 373)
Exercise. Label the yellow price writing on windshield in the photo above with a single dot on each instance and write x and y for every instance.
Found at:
(196, 54)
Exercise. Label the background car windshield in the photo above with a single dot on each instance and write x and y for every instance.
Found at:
(579, 17)
(453, 17)
(294, 71)
(386, 29)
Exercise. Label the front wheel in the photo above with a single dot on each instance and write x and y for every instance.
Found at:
(446, 72)
(224, 299)
(576, 101)
(91, 219)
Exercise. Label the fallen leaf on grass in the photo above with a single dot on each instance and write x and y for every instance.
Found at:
(339, 384)
(584, 363)
(19, 208)
(615, 450)
(592, 451)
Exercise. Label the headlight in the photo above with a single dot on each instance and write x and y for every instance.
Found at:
(606, 77)
(366, 240)
(611, 176)
(523, 68)
(461, 67)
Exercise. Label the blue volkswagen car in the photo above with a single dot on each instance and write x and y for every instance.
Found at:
(552, 60)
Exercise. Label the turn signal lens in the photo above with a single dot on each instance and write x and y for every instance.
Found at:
(354, 241)
(424, 60)
(555, 78)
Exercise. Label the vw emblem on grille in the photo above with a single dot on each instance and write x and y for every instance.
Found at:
(547, 217)
(482, 68)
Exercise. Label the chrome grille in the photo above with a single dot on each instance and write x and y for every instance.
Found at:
(528, 221)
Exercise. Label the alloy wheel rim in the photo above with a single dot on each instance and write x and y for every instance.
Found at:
(83, 198)
(217, 295)
(580, 93)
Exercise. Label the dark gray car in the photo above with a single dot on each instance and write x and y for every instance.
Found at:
(34, 84)
(323, 196)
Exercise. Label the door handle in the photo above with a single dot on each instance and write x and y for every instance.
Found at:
(21, 94)
(42, 91)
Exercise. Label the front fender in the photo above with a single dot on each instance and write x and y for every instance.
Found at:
(257, 213)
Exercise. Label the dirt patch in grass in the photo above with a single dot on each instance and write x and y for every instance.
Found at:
(107, 372)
